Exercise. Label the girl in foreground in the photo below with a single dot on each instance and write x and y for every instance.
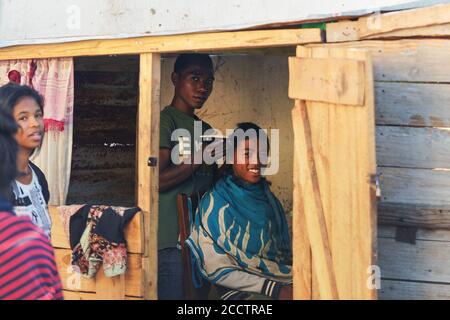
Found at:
(29, 191)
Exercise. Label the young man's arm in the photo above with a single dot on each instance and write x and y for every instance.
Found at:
(171, 175)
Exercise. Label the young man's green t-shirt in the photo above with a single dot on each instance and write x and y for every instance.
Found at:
(202, 179)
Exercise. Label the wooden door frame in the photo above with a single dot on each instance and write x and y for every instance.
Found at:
(336, 79)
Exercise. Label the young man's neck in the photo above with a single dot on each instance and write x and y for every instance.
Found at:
(183, 107)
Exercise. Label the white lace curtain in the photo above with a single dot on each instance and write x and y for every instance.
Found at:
(53, 79)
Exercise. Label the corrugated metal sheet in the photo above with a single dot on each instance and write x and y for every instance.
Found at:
(50, 21)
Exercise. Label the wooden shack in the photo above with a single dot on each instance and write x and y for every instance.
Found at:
(361, 108)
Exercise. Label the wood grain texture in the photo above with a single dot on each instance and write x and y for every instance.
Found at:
(147, 177)
(408, 147)
(422, 22)
(412, 104)
(438, 31)
(422, 261)
(407, 290)
(313, 206)
(415, 269)
(302, 266)
(414, 215)
(343, 135)
(176, 43)
(412, 60)
(112, 288)
(327, 80)
(75, 295)
(393, 21)
(422, 234)
(74, 282)
(415, 186)
(342, 31)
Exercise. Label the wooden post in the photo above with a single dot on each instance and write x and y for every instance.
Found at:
(147, 141)
(302, 271)
(302, 267)
(335, 155)
(315, 216)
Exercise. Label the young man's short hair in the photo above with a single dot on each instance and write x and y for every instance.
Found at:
(185, 60)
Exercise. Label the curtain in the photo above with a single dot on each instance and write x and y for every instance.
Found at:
(54, 80)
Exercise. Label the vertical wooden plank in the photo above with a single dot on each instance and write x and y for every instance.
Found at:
(353, 234)
(313, 208)
(109, 288)
(300, 245)
(147, 177)
(320, 117)
(338, 142)
(365, 217)
(302, 257)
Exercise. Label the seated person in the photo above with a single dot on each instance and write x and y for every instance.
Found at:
(240, 240)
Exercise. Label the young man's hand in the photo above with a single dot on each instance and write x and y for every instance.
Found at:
(215, 149)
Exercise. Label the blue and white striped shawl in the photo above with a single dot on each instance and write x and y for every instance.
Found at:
(239, 226)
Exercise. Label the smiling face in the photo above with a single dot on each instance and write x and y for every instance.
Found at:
(247, 165)
(29, 118)
(193, 86)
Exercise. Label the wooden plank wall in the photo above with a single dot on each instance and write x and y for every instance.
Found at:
(412, 83)
(413, 118)
(103, 163)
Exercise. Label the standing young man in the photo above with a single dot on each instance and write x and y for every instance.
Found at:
(193, 78)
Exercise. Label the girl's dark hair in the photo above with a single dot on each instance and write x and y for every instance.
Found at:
(11, 94)
(8, 150)
(244, 126)
(233, 141)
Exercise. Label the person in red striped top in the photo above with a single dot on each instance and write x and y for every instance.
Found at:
(27, 261)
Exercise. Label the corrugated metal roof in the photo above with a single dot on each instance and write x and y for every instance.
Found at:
(49, 21)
